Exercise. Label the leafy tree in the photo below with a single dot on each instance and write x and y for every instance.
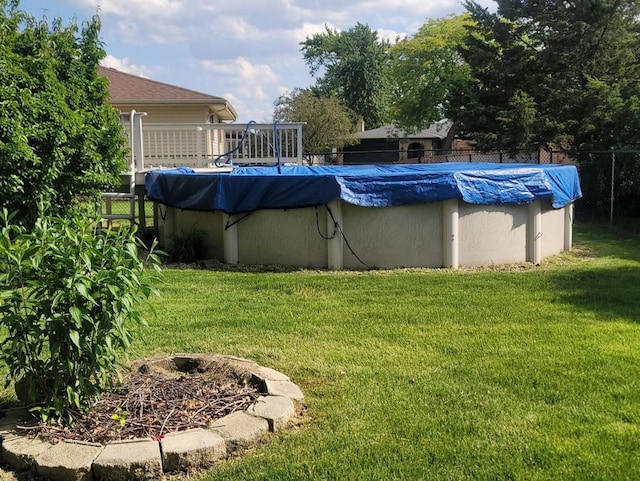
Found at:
(356, 70)
(566, 72)
(59, 138)
(426, 68)
(328, 123)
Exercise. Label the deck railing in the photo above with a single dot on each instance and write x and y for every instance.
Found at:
(209, 145)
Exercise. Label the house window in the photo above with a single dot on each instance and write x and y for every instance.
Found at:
(415, 150)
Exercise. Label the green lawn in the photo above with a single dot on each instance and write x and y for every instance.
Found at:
(490, 374)
(419, 374)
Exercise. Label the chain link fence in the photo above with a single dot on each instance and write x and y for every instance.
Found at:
(610, 180)
(395, 156)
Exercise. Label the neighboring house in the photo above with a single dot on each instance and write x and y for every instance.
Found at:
(390, 144)
(173, 130)
(164, 103)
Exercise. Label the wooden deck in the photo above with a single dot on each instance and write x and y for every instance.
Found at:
(203, 147)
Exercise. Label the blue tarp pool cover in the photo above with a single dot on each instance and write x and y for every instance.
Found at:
(246, 189)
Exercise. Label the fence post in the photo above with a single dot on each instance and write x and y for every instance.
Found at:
(613, 171)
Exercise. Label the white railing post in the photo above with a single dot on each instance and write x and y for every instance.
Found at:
(132, 165)
(137, 134)
(199, 154)
(299, 146)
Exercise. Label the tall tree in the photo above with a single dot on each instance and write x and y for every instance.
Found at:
(328, 123)
(426, 68)
(59, 137)
(352, 65)
(552, 72)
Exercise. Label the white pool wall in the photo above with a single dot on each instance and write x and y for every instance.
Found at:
(450, 233)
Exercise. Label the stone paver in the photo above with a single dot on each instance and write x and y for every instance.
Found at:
(20, 451)
(146, 459)
(195, 448)
(277, 410)
(240, 429)
(128, 460)
(264, 373)
(283, 388)
(68, 461)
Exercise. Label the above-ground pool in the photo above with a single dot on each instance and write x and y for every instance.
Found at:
(355, 217)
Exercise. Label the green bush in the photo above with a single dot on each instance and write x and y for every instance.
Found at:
(59, 136)
(71, 292)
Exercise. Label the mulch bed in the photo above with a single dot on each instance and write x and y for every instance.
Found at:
(152, 404)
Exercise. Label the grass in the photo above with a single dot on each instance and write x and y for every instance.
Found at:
(486, 374)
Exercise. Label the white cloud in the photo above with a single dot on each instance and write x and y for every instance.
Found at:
(390, 35)
(243, 70)
(240, 29)
(283, 90)
(247, 48)
(137, 21)
(261, 112)
(308, 29)
(251, 88)
(409, 8)
(165, 8)
(124, 64)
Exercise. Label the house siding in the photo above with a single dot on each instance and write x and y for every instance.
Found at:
(170, 114)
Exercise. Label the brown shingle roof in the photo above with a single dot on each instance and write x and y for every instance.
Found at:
(128, 88)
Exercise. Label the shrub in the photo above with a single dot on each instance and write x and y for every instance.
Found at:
(59, 136)
(71, 292)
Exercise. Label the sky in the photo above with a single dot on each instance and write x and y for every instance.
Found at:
(247, 51)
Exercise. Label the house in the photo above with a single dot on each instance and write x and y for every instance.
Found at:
(174, 126)
(390, 144)
(164, 103)
(180, 126)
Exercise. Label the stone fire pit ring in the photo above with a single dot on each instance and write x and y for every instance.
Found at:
(147, 459)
